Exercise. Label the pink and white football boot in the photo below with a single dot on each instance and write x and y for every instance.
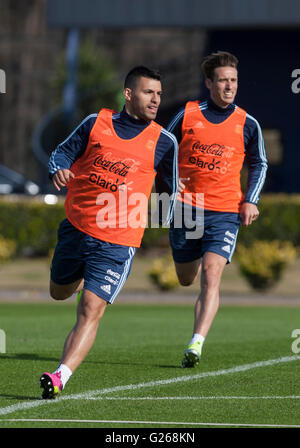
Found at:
(51, 385)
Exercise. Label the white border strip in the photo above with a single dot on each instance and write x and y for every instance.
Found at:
(141, 422)
(87, 395)
(216, 397)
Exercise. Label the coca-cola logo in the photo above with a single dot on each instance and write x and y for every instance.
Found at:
(214, 149)
(120, 168)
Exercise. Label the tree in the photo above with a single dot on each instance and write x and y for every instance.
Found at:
(97, 82)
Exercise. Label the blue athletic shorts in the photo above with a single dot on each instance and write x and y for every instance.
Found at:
(217, 233)
(104, 266)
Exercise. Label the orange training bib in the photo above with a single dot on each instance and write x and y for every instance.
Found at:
(212, 156)
(108, 198)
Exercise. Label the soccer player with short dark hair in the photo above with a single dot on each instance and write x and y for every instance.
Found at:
(108, 163)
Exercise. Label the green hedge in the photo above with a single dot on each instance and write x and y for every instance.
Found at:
(263, 263)
(279, 220)
(32, 224)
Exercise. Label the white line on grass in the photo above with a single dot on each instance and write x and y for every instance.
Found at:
(226, 397)
(140, 422)
(87, 395)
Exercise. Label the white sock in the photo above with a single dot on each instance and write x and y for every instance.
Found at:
(197, 338)
(66, 373)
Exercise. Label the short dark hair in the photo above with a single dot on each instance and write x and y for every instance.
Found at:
(138, 72)
(218, 59)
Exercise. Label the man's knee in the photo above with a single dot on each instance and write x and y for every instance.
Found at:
(212, 272)
(61, 292)
(91, 306)
(186, 280)
(58, 294)
(210, 276)
(187, 273)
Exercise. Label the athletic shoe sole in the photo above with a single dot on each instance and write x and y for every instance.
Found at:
(190, 359)
(49, 391)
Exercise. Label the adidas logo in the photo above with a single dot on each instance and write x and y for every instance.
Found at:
(107, 132)
(106, 288)
(226, 248)
(150, 144)
(231, 235)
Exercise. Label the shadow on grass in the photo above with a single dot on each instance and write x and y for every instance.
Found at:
(36, 357)
(137, 364)
(20, 397)
(27, 357)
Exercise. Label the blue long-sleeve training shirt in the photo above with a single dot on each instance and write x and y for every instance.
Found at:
(255, 155)
(126, 127)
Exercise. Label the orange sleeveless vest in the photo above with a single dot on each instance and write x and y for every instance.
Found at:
(108, 197)
(212, 156)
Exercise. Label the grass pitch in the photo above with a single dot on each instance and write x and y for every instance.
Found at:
(132, 378)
